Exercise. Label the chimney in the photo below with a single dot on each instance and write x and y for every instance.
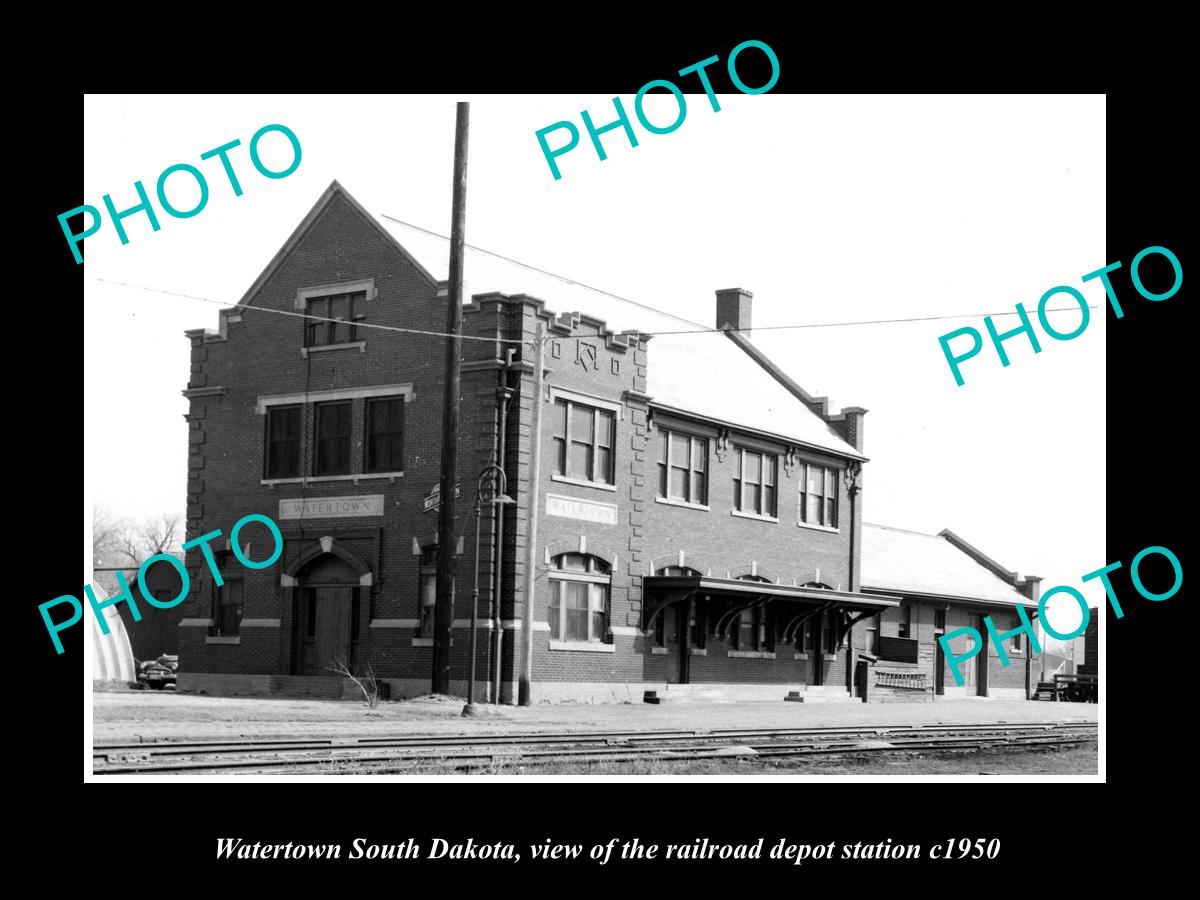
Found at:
(733, 310)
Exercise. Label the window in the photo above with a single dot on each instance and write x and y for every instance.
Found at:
(428, 591)
(939, 620)
(755, 627)
(755, 630)
(578, 608)
(902, 630)
(332, 445)
(682, 464)
(809, 641)
(227, 609)
(818, 496)
(830, 623)
(345, 308)
(1018, 641)
(385, 427)
(754, 483)
(699, 623)
(283, 442)
(583, 442)
(872, 646)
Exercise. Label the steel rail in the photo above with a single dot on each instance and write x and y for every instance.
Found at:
(464, 754)
(452, 740)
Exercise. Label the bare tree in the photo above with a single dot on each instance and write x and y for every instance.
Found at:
(120, 542)
(106, 529)
(369, 684)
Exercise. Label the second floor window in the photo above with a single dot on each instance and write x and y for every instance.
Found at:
(682, 465)
(385, 426)
(332, 439)
(583, 442)
(346, 309)
(818, 496)
(283, 442)
(754, 483)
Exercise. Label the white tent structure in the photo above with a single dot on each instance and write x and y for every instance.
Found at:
(112, 657)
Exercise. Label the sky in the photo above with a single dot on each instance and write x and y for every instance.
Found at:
(829, 209)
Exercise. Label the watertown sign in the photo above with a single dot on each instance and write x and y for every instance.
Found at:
(332, 507)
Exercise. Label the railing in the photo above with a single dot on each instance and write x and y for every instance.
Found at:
(917, 681)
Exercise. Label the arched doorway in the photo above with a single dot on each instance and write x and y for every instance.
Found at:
(328, 615)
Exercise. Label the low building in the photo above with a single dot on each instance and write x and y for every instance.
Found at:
(157, 633)
(946, 584)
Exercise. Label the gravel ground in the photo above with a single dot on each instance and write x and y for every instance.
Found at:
(121, 716)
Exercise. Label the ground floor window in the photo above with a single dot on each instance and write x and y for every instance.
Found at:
(755, 630)
(579, 590)
(227, 608)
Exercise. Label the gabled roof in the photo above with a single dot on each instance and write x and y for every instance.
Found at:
(704, 373)
(909, 562)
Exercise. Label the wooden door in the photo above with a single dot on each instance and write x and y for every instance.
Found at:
(975, 672)
(326, 640)
(939, 671)
(670, 627)
(683, 639)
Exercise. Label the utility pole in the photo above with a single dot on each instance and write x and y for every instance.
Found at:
(443, 613)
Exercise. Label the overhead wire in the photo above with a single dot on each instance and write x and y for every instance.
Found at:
(702, 330)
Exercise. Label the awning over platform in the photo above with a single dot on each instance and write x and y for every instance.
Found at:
(685, 585)
(663, 590)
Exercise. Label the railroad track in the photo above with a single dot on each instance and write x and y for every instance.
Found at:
(413, 753)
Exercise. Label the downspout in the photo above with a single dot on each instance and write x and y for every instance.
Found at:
(503, 394)
(852, 473)
(535, 465)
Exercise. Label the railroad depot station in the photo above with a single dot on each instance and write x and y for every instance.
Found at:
(678, 517)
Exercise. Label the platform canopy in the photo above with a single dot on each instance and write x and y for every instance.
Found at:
(663, 590)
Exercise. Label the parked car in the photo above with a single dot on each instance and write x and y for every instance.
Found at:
(159, 673)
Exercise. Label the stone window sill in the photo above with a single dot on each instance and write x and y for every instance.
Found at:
(222, 639)
(824, 528)
(671, 501)
(317, 479)
(585, 646)
(750, 654)
(755, 516)
(361, 346)
(658, 651)
(598, 485)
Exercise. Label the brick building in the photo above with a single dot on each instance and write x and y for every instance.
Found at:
(696, 519)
